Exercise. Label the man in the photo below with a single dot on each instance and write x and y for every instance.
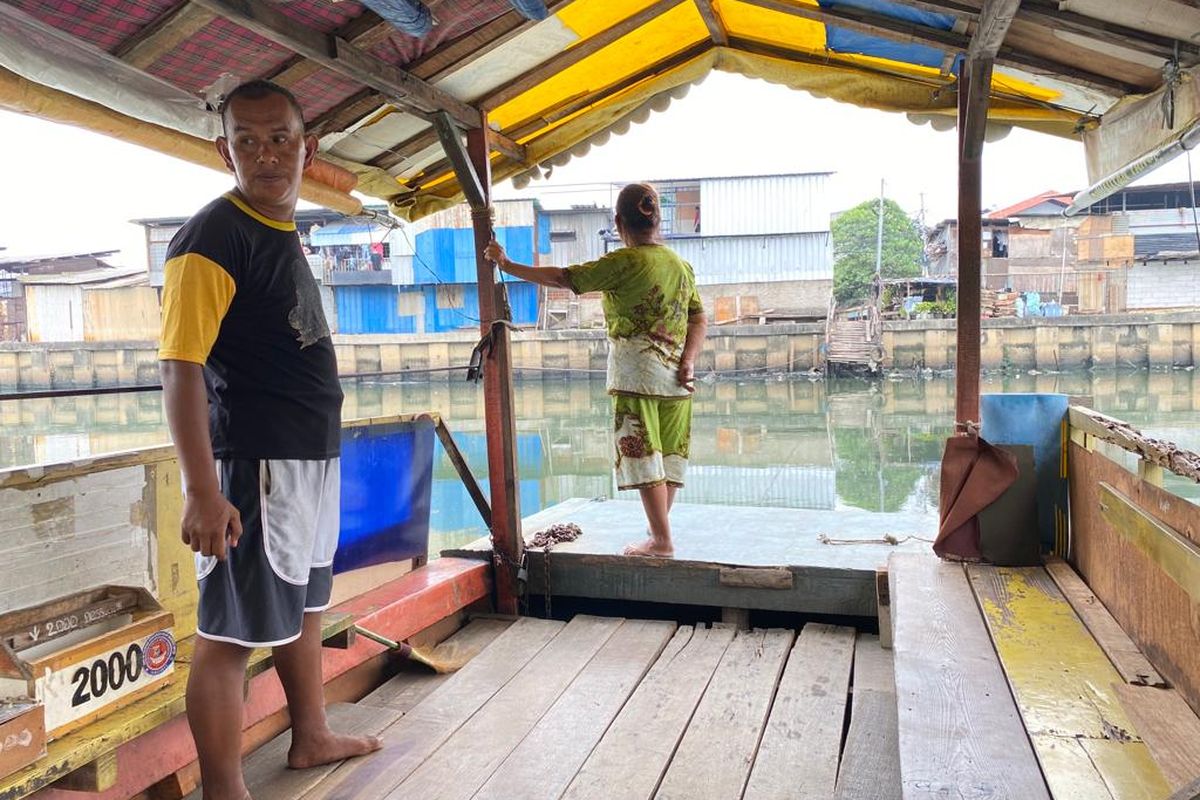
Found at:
(254, 407)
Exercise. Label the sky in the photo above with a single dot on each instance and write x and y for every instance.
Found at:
(69, 190)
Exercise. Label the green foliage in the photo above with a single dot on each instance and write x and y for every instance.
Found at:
(937, 309)
(854, 234)
(867, 477)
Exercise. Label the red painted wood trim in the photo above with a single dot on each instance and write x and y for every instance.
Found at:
(397, 609)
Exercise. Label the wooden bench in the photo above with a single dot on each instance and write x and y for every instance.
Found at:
(1003, 687)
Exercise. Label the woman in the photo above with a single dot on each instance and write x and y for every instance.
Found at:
(656, 327)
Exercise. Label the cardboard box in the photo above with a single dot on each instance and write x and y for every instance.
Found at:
(22, 734)
(86, 655)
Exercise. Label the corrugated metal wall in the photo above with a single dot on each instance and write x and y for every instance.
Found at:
(449, 253)
(370, 309)
(451, 307)
(127, 314)
(54, 313)
(753, 259)
(587, 245)
(769, 204)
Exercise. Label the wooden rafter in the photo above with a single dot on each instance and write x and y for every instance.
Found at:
(164, 35)
(444, 59)
(364, 31)
(1047, 14)
(454, 55)
(864, 21)
(406, 149)
(575, 54)
(994, 22)
(452, 143)
(332, 52)
(346, 113)
(716, 30)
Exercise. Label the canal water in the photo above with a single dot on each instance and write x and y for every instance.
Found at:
(787, 443)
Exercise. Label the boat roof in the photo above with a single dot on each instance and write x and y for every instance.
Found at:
(552, 88)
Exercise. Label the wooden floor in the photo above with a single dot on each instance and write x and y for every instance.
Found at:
(830, 557)
(610, 708)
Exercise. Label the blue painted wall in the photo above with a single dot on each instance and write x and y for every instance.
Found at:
(370, 309)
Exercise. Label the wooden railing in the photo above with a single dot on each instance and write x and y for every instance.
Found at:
(1136, 543)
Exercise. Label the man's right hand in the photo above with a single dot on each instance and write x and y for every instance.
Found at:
(208, 520)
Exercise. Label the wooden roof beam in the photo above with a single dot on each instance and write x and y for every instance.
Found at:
(469, 180)
(397, 86)
(364, 31)
(716, 30)
(1046, 13)
(406, 149)
(906, 32)
(575, 54)
(163, 35)
(993, 25)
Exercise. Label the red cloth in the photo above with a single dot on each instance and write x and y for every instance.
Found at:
(974, 474)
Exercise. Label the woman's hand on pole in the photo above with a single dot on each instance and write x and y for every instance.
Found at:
(495, 253)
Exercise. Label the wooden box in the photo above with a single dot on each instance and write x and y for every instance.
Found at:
(86, 655)
(22, 734)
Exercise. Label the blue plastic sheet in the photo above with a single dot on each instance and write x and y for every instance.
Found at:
(387, 476)
(1037, 420)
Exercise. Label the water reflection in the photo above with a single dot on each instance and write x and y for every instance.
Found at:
(785, 443)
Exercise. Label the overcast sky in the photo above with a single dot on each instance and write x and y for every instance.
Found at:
(68, 190)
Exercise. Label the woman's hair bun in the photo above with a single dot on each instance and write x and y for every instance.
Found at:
(637, 208)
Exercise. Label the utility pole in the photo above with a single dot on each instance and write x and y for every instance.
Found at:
(879, 235)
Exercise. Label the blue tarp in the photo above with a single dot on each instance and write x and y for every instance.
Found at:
(387, 476)
(349, 232)
(842, 40)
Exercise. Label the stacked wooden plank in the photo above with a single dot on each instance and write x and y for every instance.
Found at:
(996, 303)
(850, 342)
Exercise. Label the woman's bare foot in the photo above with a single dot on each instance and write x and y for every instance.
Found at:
(329, 748)
(649, 548)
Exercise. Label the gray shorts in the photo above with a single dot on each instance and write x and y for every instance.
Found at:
(282, 567)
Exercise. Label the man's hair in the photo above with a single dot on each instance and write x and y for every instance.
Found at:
(257, 90)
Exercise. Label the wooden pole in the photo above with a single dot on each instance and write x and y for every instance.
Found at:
(969, 249)
(499, 405)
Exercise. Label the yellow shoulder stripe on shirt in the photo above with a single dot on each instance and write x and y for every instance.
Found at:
(197, 293)
(249, 211)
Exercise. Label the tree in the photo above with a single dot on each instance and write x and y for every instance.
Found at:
(854, 235)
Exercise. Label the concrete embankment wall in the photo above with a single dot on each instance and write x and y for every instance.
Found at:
(1125, 341)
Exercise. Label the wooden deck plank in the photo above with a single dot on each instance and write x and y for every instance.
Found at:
(870, 768)
(404, 691)
(718, 749)
(1126, 657)
(469, 757)
(266, 770)
(1062, 682)
(960, 734)
(630, 760)
(419, 733)
(1169, 727)
(544, 764)
(798, 755)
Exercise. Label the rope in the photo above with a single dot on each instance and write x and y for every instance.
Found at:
(887, 539)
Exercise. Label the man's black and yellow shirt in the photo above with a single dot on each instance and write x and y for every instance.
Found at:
(240, 299)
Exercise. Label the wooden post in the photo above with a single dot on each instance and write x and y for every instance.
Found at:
(499, 405)
(970, 140)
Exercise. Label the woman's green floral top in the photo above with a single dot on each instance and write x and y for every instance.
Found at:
(649, 293)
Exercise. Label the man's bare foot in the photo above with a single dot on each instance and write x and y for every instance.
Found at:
(329, 748)
(649, 548)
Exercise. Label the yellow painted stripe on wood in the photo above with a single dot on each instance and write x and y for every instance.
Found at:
(1174, 553)
(1063, 684)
